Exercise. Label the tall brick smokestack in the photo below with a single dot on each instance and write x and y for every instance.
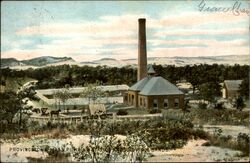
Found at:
(142, 50)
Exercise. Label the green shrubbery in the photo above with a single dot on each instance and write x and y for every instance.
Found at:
(202, 105)
(122, 112)
(156, 133)
(240, 143)
(154, 111)
(212, 116)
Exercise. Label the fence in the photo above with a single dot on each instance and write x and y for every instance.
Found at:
(79, 119)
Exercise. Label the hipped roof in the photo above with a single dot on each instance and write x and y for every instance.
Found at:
(232, 84)
(155, 86)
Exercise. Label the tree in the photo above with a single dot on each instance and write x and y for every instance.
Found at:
(210, 90)
(24, 94)
(193, 76)
(10, 104)
(13, 103)
(92, 92)
(239, 103)
(244, 88)
(63, 95)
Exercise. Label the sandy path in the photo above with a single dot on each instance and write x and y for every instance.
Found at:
(194, 152)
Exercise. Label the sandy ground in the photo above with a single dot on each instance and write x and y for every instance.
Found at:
(192, 152)
(195, 152)
(227, 129)
(20, 150)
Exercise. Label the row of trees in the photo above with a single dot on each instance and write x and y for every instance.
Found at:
(202, 77)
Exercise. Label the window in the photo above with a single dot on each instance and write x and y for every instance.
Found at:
(140, 101)
(176, 102)
(155, 103)
(132, 99)
(144, 102)
(165, 104)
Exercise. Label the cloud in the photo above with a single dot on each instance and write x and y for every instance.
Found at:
(116, 37)
(199, 18)
(192, 32)
(197, 42)
(195, 52)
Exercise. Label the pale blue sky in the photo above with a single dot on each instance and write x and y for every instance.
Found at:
(86, 30)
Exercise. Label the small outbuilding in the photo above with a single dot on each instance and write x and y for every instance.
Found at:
(231, 88)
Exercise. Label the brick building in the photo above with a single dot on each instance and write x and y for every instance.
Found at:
(154, 92)
(151, 91)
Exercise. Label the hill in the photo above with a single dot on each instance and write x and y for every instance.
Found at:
(110, 62)
(34, 62)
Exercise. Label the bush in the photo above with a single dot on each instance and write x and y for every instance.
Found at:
(58, 134)
(202, 105)
(241, 143)
(206, 144)
(154, 111)
(122, 112)
(220, 106)
(198, 133)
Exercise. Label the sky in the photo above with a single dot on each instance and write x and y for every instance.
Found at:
(90, 30)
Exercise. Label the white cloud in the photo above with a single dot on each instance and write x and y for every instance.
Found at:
(113, 36)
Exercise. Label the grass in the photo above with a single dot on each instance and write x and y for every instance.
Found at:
(228, 142)
(211, 116)
(135, 111)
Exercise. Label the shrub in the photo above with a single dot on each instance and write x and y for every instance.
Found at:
(198, 133)
(202, 105)
(58, 134)
(241, 143)
(122, 112)
(220, 106)
(206, 144)
(110, 149)
(154, 111)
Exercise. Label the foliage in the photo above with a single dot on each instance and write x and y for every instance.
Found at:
(211, 116)
(243, 143)
(59, 76)
(239, 103)
(220, 106)
(63, 95)
(12, 105)
(210, 90)
(244, 88)
(109, 148)
(122, 112)
(202, 105)
(227, 141)
(154, 111)
(92, 92)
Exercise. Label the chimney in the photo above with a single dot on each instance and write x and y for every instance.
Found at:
(142, 50)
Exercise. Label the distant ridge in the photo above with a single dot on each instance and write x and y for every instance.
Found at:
(164, 61)
(39, 61)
